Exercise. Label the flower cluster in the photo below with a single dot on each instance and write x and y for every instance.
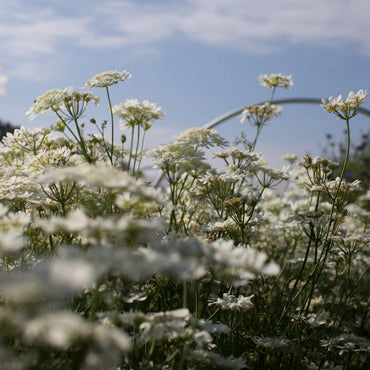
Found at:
(107, 78)
(214, 268)
(231, 302)
(69, 103)
(345, 109)
(275, 80)
(260, 114)
(133, 113)
(49, 101)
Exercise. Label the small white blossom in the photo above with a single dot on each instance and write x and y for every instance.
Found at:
(291, 158)
(347, 343)
(133, 113)
(259, 114)
(213, 360)
(275, 80)
(232, 303)
(71, 104)
(201, 137)
(107, 78)
(270, 342)
(51, 100)
(62, 329)
(239, 264)
(345, 109)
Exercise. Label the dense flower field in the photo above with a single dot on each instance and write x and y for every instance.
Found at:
(100, 269)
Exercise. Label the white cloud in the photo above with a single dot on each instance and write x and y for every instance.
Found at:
(29, 31)
(245, 25)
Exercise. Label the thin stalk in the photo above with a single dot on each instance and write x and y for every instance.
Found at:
(342, 305)
(66, 125)
(136, 149)
(331, 226)
(130, 150)
(82, 141)
(141, 151)
(259, 129)
(185, 295)
(112, 121)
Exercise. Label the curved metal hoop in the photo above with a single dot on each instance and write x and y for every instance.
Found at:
(224, 117)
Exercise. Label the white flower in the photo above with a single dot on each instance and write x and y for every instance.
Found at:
(171, 263)
(201, 137)
(347, 343)
(71, 104)
(345, 109)
(107, 78)
(270, 342)
(123, 229)
(178, 158)
(344, 186)
(212, 360)
(275, 80)
(94, 176)
(51, 100)
(11, 243)
(232, 303)
(133, 113)
(260, 114)
(238, 264)
(291, 158)
(221, 226)
(62, 329)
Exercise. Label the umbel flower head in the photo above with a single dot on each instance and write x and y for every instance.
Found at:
(134, 113)
(107, 78)
(275, 80)
(49, 101)
(71, 104)
(345, 109)
(260, 114)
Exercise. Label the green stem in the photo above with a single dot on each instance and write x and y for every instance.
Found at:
(259, 127)
(66, 125)
(331, 226)
(82, 142)
(130, 150)
(185, 295)
(136, 149)
(112, 121)
(141, 151)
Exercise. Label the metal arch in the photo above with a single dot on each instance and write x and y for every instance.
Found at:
(215, 122)
(224, 117)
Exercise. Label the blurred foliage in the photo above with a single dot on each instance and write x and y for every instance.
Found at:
(6, 127)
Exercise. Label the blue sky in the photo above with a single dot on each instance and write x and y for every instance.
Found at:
(196, 58)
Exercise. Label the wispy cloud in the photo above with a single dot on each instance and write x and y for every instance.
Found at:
(30, 32)
(245, 25)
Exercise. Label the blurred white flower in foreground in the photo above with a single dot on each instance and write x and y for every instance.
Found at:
(62, 329)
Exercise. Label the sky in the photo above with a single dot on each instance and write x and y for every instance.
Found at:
(197, 59)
